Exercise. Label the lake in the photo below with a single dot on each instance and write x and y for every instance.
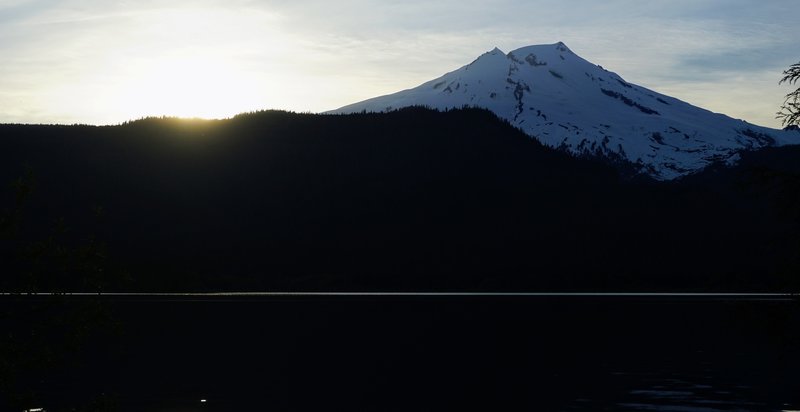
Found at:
(405, 352)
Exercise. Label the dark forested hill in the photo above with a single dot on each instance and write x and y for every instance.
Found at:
(409, 200)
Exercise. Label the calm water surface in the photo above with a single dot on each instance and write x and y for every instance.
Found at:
(414, 353)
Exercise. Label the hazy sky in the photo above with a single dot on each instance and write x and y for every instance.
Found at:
(105, 61)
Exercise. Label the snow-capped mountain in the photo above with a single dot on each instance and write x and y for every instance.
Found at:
(564, 101)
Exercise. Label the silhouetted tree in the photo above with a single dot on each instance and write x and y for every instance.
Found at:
(42, 335)
(412, 199)
(790, 111)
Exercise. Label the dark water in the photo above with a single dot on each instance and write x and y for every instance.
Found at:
(411, 353)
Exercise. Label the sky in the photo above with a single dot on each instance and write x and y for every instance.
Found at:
(106, 61)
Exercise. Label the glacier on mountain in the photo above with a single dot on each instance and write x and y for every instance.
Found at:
(566, 102)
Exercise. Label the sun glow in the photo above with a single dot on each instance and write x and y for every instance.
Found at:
(192, 66)
(192, 86)
(185, 62)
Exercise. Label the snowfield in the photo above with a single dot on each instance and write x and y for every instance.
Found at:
(566, 102)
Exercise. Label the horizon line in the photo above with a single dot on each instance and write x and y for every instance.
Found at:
(406, 294)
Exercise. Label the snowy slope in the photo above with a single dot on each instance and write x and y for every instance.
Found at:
(567, 102)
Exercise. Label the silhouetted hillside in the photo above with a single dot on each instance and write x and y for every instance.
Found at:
(409, 200)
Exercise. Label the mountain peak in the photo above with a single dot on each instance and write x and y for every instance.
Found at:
(566, 102)
(560, 46)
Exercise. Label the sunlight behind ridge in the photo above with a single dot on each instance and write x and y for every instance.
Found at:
(192, 66)
(185, 62)
(189, 87)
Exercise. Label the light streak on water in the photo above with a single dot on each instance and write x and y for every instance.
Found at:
(757, 296)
